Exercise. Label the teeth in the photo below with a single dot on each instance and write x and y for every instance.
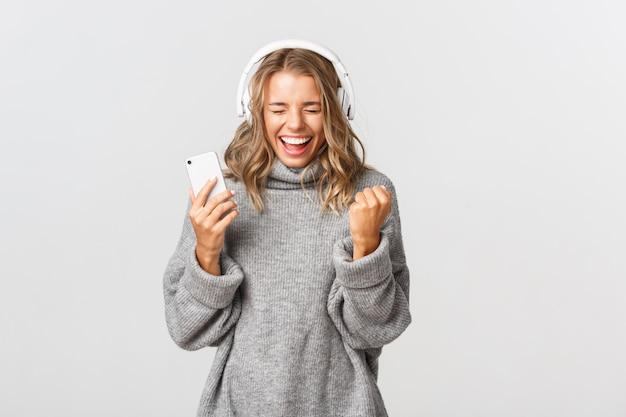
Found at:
(295, 141)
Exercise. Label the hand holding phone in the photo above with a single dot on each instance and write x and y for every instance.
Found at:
(203, 167)
(209, 218)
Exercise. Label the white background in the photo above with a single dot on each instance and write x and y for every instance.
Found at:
(501, 123)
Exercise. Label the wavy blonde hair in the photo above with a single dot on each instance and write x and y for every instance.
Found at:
(249, 157)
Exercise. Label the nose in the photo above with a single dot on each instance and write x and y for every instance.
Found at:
(294, 118)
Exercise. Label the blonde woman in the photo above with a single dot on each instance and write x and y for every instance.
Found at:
(297, 272)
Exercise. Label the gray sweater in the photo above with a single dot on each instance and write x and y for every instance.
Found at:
(299, 326)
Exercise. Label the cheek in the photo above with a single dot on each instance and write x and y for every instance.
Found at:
(273, 123)
(321, 134)
(270, 128)
(317, 125)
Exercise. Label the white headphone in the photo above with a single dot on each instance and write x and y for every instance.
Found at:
(344, 93)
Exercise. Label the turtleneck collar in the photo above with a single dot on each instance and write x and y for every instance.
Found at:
(282, 177)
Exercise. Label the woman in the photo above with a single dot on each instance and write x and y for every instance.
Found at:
(302, 280)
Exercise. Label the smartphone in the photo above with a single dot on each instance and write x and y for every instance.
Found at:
(201, 168)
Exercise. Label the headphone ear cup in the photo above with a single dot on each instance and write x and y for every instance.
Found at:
(344, 101)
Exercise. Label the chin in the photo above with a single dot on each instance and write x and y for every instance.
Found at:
(295, 162)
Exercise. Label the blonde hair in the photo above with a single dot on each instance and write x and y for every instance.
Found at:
(249, 157)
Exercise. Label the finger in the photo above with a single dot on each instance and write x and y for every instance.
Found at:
(385, 197)
(229, 217)
(220, 225)
(382, 194)
(204, 191)
(218, 199)
(222, 208)
(371, 199)
(359, 197)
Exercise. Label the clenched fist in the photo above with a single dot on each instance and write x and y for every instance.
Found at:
(367, 214)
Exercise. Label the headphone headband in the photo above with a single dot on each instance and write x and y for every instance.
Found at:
(345, 93)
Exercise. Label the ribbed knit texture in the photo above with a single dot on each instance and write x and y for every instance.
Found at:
(299, 326)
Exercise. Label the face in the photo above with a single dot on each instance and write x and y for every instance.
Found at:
(292, 111)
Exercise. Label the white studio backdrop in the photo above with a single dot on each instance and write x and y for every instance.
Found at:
(501, 124)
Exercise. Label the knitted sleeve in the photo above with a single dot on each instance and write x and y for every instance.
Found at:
(369, 299)
(200, 308)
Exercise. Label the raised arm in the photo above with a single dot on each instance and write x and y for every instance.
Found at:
(201, 282)
(369, 300)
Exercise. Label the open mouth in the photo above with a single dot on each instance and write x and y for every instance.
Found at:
(295, 145)
(295, 141)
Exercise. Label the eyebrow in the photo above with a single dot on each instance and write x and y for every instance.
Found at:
(305, 104)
